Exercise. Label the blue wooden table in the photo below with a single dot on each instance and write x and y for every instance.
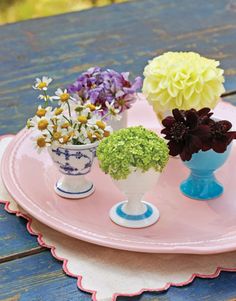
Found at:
(123, 37)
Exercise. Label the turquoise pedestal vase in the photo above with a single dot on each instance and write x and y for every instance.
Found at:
(202, 183)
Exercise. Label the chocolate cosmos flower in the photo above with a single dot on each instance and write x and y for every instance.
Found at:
(185, 132)
(190, 131)
(219, 137)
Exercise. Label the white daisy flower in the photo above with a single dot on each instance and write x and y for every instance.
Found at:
(63, 96)
(46, 97)
(40, 143)
(64, 124)
(44, 112)
(42, 84)
(92, 106)
(42, 123)
(115, 113)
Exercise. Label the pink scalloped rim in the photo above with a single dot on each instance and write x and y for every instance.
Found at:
(80, 278)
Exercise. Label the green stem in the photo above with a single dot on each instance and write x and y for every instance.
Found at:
(50, 132)
(69, 108)
(46, 102)
(70, 122)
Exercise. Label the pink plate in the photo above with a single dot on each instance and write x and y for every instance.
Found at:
(185, 226)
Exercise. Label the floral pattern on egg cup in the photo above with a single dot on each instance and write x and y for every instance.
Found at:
(71, 131)
(74, 162)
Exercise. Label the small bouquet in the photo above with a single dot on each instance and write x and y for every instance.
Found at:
(107, 89)
(134, 157)
(190, 131)
(75, 121)
(130, 149)
(204, 144)
(182, 80)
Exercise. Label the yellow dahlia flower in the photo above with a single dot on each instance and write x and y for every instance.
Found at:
(182, 80)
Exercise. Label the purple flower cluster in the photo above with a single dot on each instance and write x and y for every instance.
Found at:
(106, 87)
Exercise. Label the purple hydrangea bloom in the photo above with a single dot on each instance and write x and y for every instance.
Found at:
(106, 86)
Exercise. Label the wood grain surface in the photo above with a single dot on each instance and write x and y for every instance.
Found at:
(40, 278)
(122, 37)
(15, 241)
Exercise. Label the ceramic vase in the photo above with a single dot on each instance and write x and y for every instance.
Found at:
(119, 124)
(73, 162)
(202, 183)
(134, 212)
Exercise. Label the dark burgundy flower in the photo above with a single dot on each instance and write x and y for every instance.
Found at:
(190, 131)
(185, 132)
(219, 137)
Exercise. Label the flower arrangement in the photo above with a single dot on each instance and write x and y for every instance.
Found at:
(182, 80)
(106, 89)
(71, 121)
(133, 147)
(190, 131)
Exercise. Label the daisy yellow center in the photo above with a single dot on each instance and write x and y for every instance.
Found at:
(99, 137)
(71, 134)
(41, 142)
(64, 97)
(41, 112)
(91, 107)
(101, 124)
(56, 135)
(42, 124)
(82, 119)
(42, 85)
(90, 136)
(65, 138)
(58, 111)
(65, 125)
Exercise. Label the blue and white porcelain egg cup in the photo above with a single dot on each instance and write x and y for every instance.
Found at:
(134, 212)
(202, 183)
(73, 162)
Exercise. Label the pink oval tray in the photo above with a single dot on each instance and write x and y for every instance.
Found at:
(185, 226)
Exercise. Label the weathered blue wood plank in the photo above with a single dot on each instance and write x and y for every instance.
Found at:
(39, 277)
(122, 36)
(14, 237)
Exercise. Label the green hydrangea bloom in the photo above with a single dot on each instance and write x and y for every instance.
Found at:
(132, 147)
